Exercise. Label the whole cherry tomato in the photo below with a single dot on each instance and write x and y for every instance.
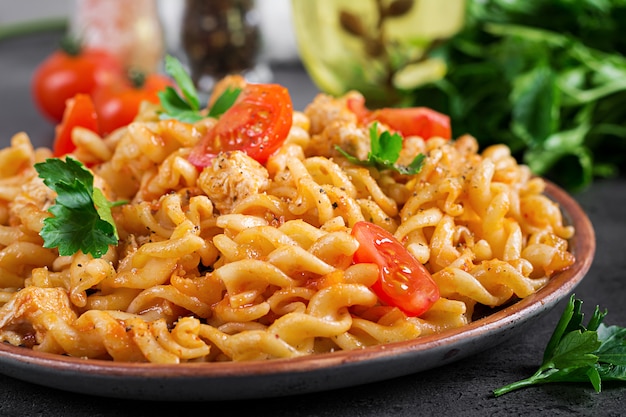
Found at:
(79, 111)
(257, 123)
(69, 71)
(117, 102)
(408, 121)
(403, 281)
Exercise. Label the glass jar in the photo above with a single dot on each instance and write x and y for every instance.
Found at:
(131, 30)
(222, 37)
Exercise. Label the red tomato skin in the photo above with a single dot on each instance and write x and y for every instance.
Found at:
(79, 111)
(117, 103)
(356, 104)
(409, 121)
(61, 76)
(403, 281)
(257, 123)
(415, 121)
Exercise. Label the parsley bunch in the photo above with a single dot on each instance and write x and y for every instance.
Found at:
(576, 353)
(549, 76)
(384, 152)
(82, 218)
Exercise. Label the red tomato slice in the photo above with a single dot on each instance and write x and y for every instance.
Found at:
(415, 121)
(403, 281)
(79, 111)
(409, 121)
(257, 123)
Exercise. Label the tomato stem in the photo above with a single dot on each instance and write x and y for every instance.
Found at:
(136, 77)
(71, 46)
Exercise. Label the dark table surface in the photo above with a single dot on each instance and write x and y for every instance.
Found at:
(461, 388)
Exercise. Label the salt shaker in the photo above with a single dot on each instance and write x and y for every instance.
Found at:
(131, 30)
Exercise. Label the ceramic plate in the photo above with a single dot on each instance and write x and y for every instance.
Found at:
(232, 380)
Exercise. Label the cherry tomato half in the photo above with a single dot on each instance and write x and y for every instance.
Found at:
(117, 103)
(79, 111)
(403, 281)
(409, 121)
(257, 123)
(68, 72)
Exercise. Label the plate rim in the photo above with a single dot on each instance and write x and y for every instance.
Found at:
(14, 360)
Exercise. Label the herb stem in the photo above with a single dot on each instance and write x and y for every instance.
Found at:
(541, 376)
(513, 386)
(532, 380)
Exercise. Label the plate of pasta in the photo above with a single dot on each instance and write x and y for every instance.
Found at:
(300, 261)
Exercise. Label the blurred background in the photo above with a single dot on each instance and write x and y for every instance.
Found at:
(545, 77)
(274, 20)
(26, 10)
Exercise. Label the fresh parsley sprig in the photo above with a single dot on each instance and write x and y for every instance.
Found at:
(81, 216)
(384, 152)
(575, 353)
(186, 107)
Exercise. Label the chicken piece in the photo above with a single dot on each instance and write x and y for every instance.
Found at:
(411, 147)
(30, 206)
(325, 109)
(232, 177)
(350, 138)
(332, 124)
(21, 318)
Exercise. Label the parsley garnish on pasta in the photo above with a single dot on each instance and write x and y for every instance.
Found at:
(384, 153)
(186, 108)
(82, 219)
(576, 353)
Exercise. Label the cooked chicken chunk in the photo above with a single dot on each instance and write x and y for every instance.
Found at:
(30, 206)
(232, 177)
(334, 124)
(22, 319)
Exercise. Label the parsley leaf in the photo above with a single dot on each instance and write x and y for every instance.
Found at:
(81, 216)
(224, 101)
(576, 353)
(384, 152)
(186, 108)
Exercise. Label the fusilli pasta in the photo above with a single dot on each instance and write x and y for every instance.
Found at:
(244, 261)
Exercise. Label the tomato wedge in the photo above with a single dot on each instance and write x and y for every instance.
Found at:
(79, 111)
(403, 281)
(257, 123)
(408, 121)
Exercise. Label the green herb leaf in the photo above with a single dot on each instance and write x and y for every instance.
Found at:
(550, 76)
(174, 68)
(81, 216)
(574, 353)
(575, 349)
(613, 348)
(384, 152)
(56, 172)
(224, 102)
(175, 107)
(186, 108)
